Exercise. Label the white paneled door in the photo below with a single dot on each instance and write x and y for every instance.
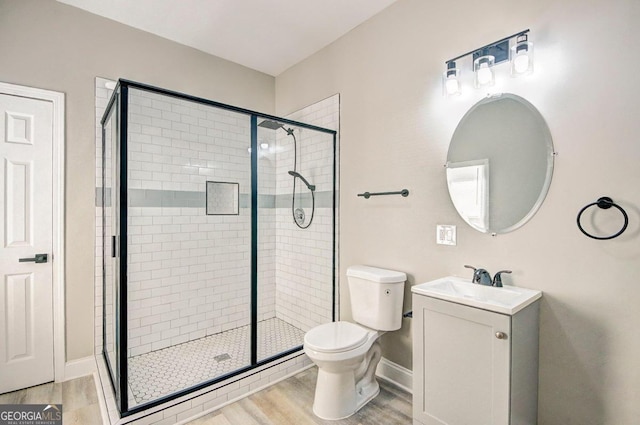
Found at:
(26, 274)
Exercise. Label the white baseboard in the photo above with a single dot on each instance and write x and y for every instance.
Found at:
(80, 367)
(395, 374)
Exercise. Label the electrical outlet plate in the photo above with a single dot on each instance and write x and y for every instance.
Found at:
(445, 234)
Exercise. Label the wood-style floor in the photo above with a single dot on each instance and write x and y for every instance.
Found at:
(78, 398)
(287, 402)
(290, 402)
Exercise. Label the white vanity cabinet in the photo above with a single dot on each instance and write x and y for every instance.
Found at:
(472, 366)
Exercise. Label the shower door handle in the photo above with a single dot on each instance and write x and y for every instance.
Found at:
(113, 247)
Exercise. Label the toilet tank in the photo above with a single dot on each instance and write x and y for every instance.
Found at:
(376, 297)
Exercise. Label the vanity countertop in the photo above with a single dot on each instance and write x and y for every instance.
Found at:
(505, 300)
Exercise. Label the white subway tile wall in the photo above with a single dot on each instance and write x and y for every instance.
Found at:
(266, 229)
(304, 258)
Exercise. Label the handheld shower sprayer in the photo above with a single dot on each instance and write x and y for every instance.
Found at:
(310, 186)
(297, 213)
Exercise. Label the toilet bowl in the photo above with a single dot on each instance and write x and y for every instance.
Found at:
(346, 353)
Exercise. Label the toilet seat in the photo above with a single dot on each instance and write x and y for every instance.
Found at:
(336, 337)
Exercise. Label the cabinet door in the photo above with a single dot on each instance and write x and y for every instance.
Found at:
(461, 368)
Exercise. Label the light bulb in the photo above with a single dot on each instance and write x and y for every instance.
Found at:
(451, 80)
(452, 85)
(522, 57)
(483, 67)
(521, 63)
(264, 145)
(484, 74)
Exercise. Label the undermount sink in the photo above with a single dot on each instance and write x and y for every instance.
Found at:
(505, 300)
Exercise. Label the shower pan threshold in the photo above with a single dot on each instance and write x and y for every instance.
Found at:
(159, 373)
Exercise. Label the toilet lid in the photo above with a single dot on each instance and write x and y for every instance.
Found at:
(335, 336)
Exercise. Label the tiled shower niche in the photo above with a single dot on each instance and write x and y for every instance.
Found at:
(189, 272)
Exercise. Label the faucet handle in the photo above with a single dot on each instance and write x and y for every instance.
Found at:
(497, 279)
(475, 276)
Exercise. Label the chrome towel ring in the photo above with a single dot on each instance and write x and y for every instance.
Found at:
(605, 203)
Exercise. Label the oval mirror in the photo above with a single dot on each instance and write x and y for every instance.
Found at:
(499, 163)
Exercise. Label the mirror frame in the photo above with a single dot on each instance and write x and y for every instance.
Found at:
(548, 140)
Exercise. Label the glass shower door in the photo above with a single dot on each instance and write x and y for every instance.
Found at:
(188, 244)
(110, 239)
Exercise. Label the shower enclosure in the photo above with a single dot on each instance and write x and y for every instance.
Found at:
(218, 241)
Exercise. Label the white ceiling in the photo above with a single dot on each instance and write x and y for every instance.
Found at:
(266, 35)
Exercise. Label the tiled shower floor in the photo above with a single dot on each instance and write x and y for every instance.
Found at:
(159, 373)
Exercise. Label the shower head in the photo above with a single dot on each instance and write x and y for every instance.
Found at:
(274, 125)
(310, 186)
(271, 125)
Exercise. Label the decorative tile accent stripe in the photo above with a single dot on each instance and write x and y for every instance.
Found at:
(303, 200)
(152, 198)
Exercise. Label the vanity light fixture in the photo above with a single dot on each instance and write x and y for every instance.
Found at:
(522, 56)
(484, 60)
(451, 80)
(483, 71)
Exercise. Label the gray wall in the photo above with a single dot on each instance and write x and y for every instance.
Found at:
(395, 131)
(49, 45)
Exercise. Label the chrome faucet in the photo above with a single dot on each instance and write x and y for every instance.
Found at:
(497, 279)
(483, 277)
(480, 276)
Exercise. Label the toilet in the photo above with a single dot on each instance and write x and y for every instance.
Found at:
(346, 353)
